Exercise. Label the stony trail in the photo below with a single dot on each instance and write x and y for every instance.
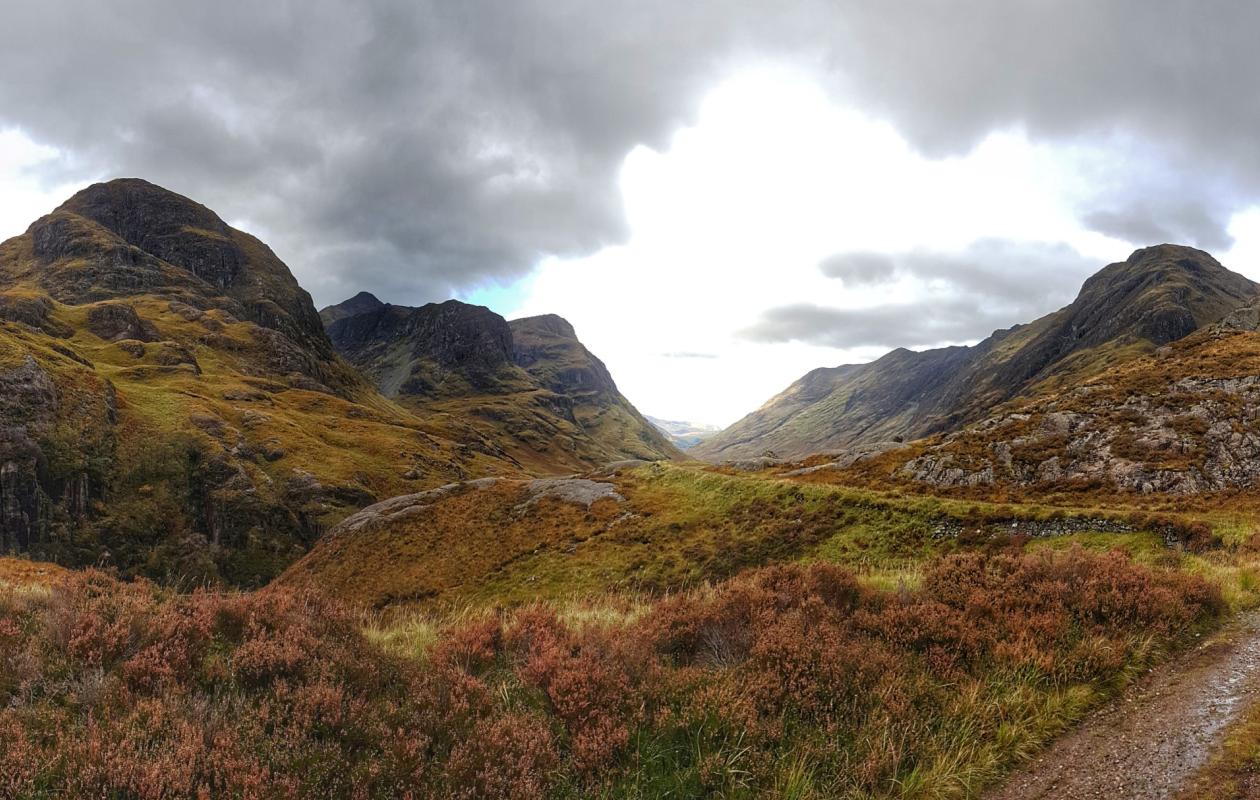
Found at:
(1149, 742)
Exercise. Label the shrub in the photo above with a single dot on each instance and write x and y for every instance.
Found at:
(125, 690)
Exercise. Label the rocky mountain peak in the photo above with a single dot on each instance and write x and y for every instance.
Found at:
(129, 237)
(361, 303)
(548, 324)
(140, 212)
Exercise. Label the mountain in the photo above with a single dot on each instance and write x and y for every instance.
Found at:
(526, 390)
(547, 348)
(1128, 309)
(359, 304)
(169, 401)
(1181, 420)
(684, 435)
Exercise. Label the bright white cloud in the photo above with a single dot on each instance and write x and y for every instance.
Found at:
(19, 159)
(735, 216)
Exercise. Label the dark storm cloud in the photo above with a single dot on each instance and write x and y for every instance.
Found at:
(992, 284)
(413, 148)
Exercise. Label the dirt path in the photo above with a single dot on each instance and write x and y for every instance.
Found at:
(1149, 741)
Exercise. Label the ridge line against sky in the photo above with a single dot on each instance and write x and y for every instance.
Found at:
(719, 195)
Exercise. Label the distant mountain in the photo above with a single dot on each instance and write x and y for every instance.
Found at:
(684, 435)
(527, 390)
(171, 405)
(359, 304)
(1128, 309)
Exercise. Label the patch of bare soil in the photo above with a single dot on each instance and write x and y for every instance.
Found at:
(1150, 741)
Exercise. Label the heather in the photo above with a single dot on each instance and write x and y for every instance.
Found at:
(784, 681)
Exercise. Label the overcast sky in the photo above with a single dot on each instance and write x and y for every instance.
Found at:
(719, 195)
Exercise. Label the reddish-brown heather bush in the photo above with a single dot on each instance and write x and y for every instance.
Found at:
(112, 689)
(593, 683)
(507, 757)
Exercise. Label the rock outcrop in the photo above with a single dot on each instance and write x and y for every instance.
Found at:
(1185, 419)
(436, 350)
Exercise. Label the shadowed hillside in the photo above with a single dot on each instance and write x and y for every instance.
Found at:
(527, 390)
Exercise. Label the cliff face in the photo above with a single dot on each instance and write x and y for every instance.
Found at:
(1158, 295)
(441, 349)
(527, 389)
(548, 348)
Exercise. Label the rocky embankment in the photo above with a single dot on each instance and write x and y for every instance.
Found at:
(1184, 420)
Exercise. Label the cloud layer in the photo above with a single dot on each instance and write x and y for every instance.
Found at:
(949, 297)
(418, 148)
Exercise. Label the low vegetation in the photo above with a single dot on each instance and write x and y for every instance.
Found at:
(1234, 774)
(784, 681)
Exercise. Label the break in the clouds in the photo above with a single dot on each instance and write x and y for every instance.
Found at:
(419, 149)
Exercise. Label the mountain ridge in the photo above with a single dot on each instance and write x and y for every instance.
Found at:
(528, 388)
(1158, 295)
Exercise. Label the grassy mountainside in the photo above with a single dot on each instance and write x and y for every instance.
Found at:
(654, 631)
(527, 390)
(663, 528)
(170, 403)
(1160, 294)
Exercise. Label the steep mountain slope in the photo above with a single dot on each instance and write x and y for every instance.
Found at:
(548, 349)
(169, 402)
(527, 390)
(1158, 295)
(1184, 419)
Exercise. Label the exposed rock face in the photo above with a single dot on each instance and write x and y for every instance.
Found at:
(117, 321)
(128, 238)
(548, 348)
(1184, 420)
(526, 388)
(361, 303)
(28, 402)
(434, 350)
(578, 491)
(1159, 295)
(34, 312)
(35, 490)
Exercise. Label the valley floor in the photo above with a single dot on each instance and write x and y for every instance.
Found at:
(688, 634)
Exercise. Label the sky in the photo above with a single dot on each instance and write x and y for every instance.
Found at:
(719, 195)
